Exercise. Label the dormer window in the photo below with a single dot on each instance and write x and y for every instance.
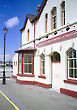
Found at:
(46, 20)
(54, 18)
(28, 34)
(63, 13)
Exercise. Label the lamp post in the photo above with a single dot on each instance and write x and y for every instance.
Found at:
(4, 33)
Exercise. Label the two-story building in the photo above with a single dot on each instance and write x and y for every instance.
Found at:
(48, 53)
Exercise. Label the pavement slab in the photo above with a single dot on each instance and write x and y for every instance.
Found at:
(31, 97)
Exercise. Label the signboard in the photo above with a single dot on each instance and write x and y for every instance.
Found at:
(65, 36)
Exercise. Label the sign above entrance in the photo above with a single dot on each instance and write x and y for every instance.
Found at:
(65, 36)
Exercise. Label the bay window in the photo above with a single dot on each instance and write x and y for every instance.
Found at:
(27, 63)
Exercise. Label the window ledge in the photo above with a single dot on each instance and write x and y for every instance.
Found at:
(42, 76)
(26, 75)
(71, 81)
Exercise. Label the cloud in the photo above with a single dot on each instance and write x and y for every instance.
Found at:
(12, 22)
(8, 57)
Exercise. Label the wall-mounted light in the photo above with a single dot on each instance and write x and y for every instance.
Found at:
(39, 39)
(34, 41)
(55, 32)
(67, 28)
(46, 36)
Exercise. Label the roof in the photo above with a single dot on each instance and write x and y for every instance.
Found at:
(26, 50)
(33, 18)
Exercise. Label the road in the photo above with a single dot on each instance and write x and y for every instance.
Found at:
(31, 97)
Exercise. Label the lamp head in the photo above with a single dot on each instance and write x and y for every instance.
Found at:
(5, 31)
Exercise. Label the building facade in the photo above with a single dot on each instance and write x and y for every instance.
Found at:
(48, 53)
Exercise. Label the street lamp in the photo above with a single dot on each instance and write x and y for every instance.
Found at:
(4, 33)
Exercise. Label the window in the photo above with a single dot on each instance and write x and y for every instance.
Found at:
(55, 57)
(42, 62)
(20, 63)
(63, 13)
(54, 18)
(28, 34)
(72, 63)
(27, 63)
(46, 20)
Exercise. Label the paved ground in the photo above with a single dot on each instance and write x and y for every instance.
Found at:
(29, 97)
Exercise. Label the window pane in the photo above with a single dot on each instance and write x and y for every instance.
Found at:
(30, 68)
(29, 59)
(70, 54)
(20, 58)
(70, 72)
(43, 64)
(25, 68)
(76, 74)
(20, 67)
(25, 58)
(74, 53)
(71, 63)
(43, 71)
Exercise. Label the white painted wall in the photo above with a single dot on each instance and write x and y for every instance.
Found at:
(59, 70)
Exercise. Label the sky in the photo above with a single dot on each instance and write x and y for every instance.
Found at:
(13, 15)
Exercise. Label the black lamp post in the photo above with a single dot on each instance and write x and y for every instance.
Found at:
(4, 33)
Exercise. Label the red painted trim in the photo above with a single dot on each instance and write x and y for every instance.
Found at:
(13, 76)
(25, 82)
(34, 35)
(43, 85)
(33, 64)
(67, 67)
(22, 63)
(18, 63)
(42, 76)
(34, 83)
(51, 69)
(41, 9)
(26, 75)
(65, 36)
(68, 92)
(71, 81)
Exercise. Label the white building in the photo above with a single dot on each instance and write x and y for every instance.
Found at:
(48, 53)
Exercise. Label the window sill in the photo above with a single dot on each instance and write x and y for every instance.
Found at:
(71, 81)
(42, 76)
(26, 75)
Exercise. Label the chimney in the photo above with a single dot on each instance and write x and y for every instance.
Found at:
(38, 9)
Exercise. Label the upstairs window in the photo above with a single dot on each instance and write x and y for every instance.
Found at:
(54, 18)
(28, 34)
(42, 64)
(63, 13)
(46, 20)
(72, 63)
